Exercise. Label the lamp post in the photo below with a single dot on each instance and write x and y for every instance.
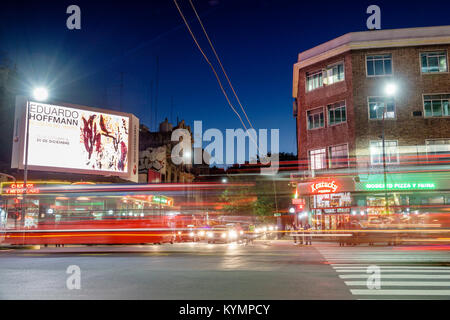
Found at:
(390, 90)
(40, 94)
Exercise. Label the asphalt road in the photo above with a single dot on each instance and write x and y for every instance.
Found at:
(264, 270)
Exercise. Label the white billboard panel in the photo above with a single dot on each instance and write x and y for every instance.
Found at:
(70, 138)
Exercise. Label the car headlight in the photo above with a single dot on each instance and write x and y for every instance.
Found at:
(179, 232)
(271, 228)
(209, 234)
(201, 233)
(224, 235)
(265, 229)
(191, 234)
(241, 232)
(232, 234)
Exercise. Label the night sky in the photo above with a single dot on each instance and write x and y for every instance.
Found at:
(258, 42)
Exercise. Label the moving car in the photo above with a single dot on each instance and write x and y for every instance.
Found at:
(222, 234)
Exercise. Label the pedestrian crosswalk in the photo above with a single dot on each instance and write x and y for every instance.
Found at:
(370, 255)
(384, 274)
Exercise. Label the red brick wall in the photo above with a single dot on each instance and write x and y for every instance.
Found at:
(321, 97)
(408, 130)
(357, 87)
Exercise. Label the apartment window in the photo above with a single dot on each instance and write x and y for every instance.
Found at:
(436, 105)
(391, 152)
(432, 62)
(379, 65)
(318, 159)
(338, 156)
(335, 73)
(336, 113)
(314, 80)
(380, 105)
(438, 147)
(315, 118)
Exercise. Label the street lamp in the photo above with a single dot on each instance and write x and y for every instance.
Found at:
(390, 90)
(40, 93)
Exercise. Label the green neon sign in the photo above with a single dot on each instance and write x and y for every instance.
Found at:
(400, 186)
(159, 199)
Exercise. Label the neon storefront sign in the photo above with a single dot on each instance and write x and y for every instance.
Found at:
(162, 200)
(324, 187)
(400, 186)
(19, 188)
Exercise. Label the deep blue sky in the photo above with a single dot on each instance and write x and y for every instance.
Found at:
(258, 42)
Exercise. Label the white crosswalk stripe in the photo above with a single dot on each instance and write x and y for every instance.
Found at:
(397, 279)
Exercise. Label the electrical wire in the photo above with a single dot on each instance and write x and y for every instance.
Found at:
(210, 64)
(220, 62)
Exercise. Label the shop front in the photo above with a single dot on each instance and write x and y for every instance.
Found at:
(406, 200)
(327, 201)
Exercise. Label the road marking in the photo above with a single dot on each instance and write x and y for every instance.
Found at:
(397, 276)
(427, 276)
(395, 292)
(337, 268)
(399, 270)
(403, 283)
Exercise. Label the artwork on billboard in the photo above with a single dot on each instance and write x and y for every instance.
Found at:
(77, 139)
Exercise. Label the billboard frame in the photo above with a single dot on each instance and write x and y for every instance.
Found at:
(19, 143)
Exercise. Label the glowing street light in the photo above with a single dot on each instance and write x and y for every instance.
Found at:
(291, 210)
(40, 94)
(390, 89)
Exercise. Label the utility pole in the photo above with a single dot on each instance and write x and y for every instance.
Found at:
(384, 161)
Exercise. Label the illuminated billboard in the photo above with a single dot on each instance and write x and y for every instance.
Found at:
(70, 138)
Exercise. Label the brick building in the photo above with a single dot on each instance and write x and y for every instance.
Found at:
(338, 85)
(342, 103)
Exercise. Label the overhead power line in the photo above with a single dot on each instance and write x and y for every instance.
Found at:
(210, 64)
(220, 62)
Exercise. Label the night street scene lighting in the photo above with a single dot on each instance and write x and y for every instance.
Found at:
(225, 159)
(40, 94)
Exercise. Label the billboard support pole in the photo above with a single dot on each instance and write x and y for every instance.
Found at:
(25, 167)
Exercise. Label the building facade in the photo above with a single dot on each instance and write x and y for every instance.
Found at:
(363, 90)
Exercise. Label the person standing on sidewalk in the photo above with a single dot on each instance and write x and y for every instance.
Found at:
(308, 237)
(302, 236)
(294, 232)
